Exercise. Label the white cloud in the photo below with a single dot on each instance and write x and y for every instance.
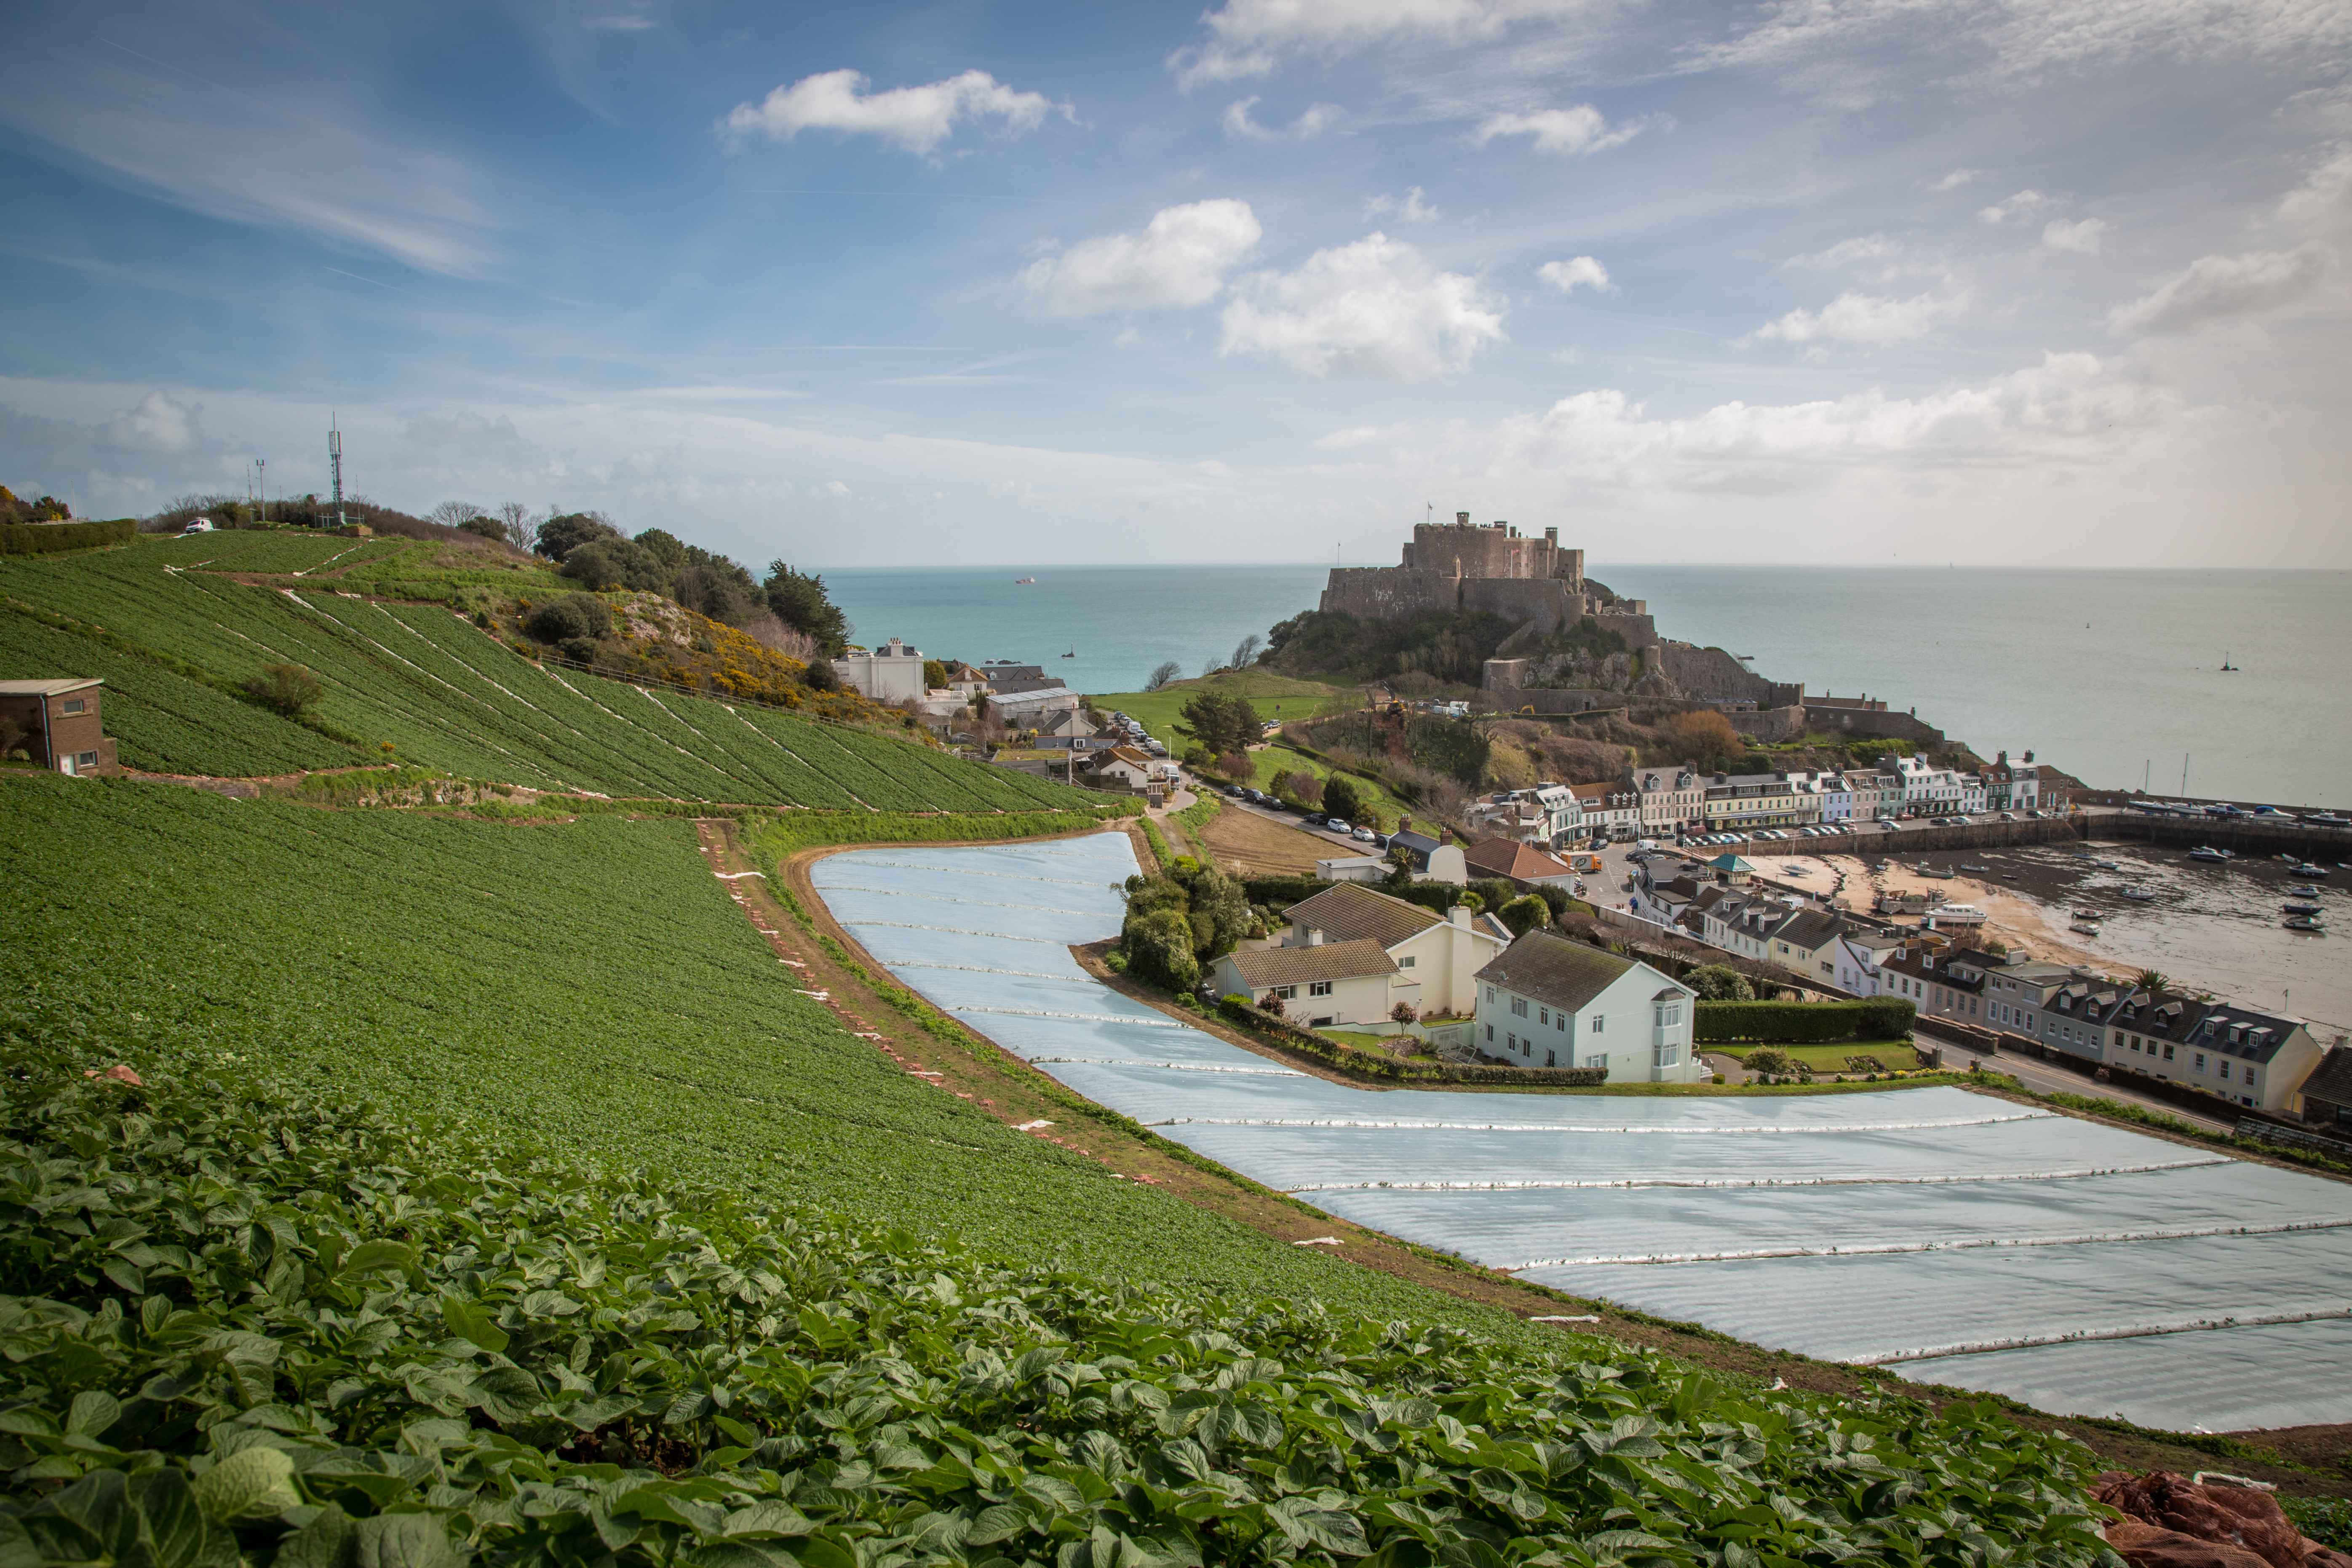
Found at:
(2024, 207)
(2322, 204)
(1249, 36)
(2216, 288)
(1564, 133)
(1861, 250)
(1181, 259)
(1857, 318)
(917, 118)
(618, 24)
(2068, 234)
(1411, 208)
(1312, 122)
(1373, 307)
(156, 424)
(1565, 276)
(1953, 181)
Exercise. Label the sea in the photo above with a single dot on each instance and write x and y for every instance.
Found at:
(2114, 676)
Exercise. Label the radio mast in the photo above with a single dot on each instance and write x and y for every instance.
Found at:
(335, 457)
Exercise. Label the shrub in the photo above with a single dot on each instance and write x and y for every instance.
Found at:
(1524, 913)
(1804, 1023)
(1404, 1012)
(489, 528)
(570, 615)
(580, 650)
(1235, 1006)
(1718, 982)
(288, 688)
(1271, 1005)
(1770, 1061)
(49, 539)
(1159, 948)
(1346, 799)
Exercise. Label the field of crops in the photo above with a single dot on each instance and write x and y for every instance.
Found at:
(444, 695)
(162, 722)
(449, 1327)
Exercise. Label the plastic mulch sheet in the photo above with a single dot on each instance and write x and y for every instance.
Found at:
(1973, 1241)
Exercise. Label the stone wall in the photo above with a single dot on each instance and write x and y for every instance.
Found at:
(1709, 672)
(1545, 603)
(1388, 593)
(1553, 699)
(1640, 631)
(1771, 726)
(1872, 721)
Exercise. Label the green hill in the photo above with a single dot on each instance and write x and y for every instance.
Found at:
(418, 683)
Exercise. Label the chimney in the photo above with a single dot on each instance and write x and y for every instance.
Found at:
(1314, 937)
(1461, 519)
(1461, 914)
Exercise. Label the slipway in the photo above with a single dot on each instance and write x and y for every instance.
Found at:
(1966, 1239)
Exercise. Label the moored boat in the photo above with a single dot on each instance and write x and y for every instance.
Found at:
(2088, 928)
(2138, 894)
(2314, 872)
(2297, 907)
(2306, 922)
(2207, 853)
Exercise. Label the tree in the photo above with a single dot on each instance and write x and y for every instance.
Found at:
(1220, 912)
(2154, 980)
(1301, 786)
(288, 688)
(565, 532)
(1404, 1012)
(1160, 950)
(1344, 799)
(1161, 675)
(1703, 735)
(1221, 722)
(1524, 913)
(523, 529)
(456, 514)
(570, 617)
(664, 547)
(1770, 1061)
(1238, 766)
(1400, 873)
(1245, 651)
(799, 600)
(487, 528)
(605, 563)
(1718, 982)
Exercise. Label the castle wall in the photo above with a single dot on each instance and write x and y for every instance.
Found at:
(1771, 726)
(1553, 699)
(1639, 631)
(1709, 672)
(1388, 593)
(1872, 721)
(1546, 601)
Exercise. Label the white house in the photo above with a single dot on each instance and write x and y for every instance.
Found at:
(1434, 861)
(1609, 811)
(1321, 985)
(892, 673)
(1928, 790)
(1439, 952)
(1551, 1002)
(2013, 786)
(1669, 799)
(1859, 958)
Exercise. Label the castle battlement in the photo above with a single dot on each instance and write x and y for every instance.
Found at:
(1459, 549)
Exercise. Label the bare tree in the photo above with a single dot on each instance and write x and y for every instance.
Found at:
(450, 513)
(522, 527)
(1209, 665)
(1245, 651)
(1162, 675)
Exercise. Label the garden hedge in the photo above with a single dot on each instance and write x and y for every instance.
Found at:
(1281, 892)
(1804, 1023)
(53, 538)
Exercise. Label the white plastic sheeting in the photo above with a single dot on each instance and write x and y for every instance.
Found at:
(1977, 1242)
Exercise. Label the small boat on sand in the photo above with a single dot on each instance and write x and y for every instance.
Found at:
(2088, 928)
(2297, 907)
(2207, 853)
(2139, 895)
(2306, 922)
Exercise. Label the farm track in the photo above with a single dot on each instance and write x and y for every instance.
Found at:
(975, 1068)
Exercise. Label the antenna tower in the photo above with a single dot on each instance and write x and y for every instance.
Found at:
(335, 457)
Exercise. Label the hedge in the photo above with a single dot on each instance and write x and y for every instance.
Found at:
(1281, 892)
(53, 538)
(1804, 1023)
(1237, 1009)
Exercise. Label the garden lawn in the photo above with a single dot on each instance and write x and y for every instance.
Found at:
(1829, 1059)
(1274, 761)
(1162, 710)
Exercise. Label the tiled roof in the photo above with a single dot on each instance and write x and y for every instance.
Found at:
(1299, 965)
(1553, 969)
(2332, 1079)
(1808, 929)
(1350, 912)
(1524, 861)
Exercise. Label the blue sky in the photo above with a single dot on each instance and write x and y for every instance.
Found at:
(1824, 280)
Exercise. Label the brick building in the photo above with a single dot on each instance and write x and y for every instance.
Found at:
(59, 725)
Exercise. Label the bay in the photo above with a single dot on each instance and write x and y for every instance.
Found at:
(2112, 674)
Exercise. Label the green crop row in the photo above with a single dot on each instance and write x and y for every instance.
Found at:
(162, 722)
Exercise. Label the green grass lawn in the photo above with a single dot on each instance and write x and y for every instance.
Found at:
(1832, 1058)
(1358, 1040)
(1161, 711)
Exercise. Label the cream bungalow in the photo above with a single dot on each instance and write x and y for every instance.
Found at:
(1321, 985)
(1551, 1002)
(1438, 952)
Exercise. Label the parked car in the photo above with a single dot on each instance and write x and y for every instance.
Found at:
(1317, 818)
(1336, 825)
(1365, 836)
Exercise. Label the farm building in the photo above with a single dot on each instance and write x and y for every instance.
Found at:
(57, 724)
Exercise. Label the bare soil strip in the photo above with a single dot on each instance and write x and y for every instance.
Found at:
(961, 1062)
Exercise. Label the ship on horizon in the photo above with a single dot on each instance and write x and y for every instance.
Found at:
(1018, 581)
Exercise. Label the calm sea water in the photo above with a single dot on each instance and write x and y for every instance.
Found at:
(2112, 674)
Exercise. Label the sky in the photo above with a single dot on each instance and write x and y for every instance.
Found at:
(1863, 281)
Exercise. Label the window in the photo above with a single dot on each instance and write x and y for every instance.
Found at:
(2200, 1062)
(1490, 1034)
(1552, 1059)
(1490, 994)
(1318, 988)
(2167, 1053)
(1559, 1022)
(1598, 1023)
(1287, 992)
(72, 705)
(86, 759)
(1598, 1059)
(1666, 1056)
(1671, 1015)
(1518, 1006)
(2222, 1072)
(1543, 1014)
(1406, 962)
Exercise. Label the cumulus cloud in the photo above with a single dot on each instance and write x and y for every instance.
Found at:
(1181, 259)
(1953, 181)
(2216, 288)
(1248, 37)
(2024, 207)
(1374, 307)
(1311, 122)
(1410, 207)
(917, 118)
(157, 422)
(2068, 234)
(1858, 318)
(2322, 204)
(1565, 276)
(1564, 132)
